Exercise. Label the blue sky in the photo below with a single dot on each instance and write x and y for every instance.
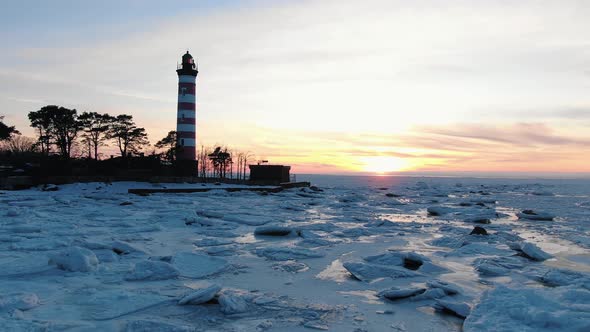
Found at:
(325, 85)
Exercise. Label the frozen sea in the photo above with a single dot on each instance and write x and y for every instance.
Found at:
(354, 254)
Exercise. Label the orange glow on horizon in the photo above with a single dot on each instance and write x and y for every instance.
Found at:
(384, 164)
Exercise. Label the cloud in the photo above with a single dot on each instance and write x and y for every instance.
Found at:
(462, 83)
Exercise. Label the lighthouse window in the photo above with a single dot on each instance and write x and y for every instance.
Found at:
(182, 141)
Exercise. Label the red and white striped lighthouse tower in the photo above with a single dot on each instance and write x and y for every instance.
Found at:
(186, 123)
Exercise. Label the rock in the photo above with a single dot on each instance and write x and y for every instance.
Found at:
(272, 230)
(458, 309)
(396, 293)
(478, 220)
(478, 231)
(533, 252)
(438, 210)
(232, 303)
(201, 295)
(125, 203)
(535, 215)
(152, 270)
(75, 259)
(392, 195)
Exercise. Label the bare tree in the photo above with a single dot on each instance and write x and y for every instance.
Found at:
(20, 145)
(203, 160)
(246, 157)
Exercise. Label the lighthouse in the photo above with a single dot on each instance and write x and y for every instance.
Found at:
(186, 122)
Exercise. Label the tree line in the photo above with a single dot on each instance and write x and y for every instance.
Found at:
(61, 130)
(59, 127)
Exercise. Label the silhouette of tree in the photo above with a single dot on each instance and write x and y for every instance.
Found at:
(169, 142)
(41, 121)
(127, 135)
(57, 125)
(94, 127)
(221, 159)
(6, 131)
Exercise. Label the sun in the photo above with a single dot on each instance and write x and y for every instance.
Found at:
(383, 164)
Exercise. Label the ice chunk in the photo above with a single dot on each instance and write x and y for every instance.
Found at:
(535, 215)
(19, 301)
(408, 260)
(232, 303)
(497, 266)
(531, 310)
(483, 219)
(290, 266)
(558, 277)
(124, 248)
(194, 265)
(533, 252)
(395, 293)
(459, 309)
(24, 229)
(155, 326)
(210, 242)
(210, 214)
(542, 193)
(152, 270)
(430, 294)
(448, 288)
(246, 220)
(75, 259)
(201, 295)
(369, 272)
(285, 253)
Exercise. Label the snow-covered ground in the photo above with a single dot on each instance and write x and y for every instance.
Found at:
(360, 254)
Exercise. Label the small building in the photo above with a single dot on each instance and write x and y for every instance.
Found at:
(270, 174)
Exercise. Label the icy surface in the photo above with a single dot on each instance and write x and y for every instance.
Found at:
(531, 309)
(75, 259)
(355, 254)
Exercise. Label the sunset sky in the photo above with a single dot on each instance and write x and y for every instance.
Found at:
(326, 86)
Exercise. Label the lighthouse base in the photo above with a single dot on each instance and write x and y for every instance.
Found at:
(186, 168)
